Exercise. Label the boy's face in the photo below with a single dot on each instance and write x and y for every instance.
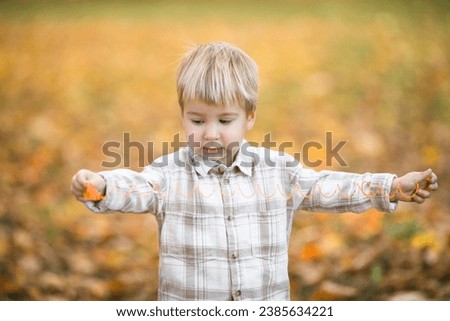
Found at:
(215, 132)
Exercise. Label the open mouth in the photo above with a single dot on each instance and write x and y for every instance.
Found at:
(212, 150)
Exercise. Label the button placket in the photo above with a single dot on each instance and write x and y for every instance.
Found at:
(226, 177)
(227, 196)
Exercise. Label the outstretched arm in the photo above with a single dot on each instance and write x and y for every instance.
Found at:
(120, 190)
(414, 186)
(339, 192)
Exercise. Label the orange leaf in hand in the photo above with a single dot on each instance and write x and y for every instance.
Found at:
(91, 193)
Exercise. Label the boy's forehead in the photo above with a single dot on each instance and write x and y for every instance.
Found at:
(201, 107)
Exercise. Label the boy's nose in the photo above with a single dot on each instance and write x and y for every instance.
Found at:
(211, 132)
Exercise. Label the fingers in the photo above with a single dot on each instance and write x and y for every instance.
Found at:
(432, 178)
(423, 193)
(432, 184)
(416, 198)
(426, 174)
(77, 189)
(81, 199)
(432, 187)
(79, 181)
(419, 196)
(427, 180)
(416, 186)
(428, 183)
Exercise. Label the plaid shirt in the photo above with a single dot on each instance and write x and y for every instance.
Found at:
(224, 232)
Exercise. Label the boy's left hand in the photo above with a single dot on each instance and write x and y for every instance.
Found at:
(414, 186)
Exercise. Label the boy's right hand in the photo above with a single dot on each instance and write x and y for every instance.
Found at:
(80, 181)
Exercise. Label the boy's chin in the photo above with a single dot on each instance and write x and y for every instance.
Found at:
(214, 158)
(219, 156)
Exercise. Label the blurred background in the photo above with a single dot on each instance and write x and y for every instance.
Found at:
(75, 75)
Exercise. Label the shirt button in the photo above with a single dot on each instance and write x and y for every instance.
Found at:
(226, 181)
(238, 292)
(234, 256)
(221, 170)
(229, 218)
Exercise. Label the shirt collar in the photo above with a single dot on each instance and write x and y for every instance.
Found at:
(243, 161)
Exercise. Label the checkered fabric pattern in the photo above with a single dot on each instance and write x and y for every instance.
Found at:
(224, 231)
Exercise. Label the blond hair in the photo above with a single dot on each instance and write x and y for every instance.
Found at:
(218, 73)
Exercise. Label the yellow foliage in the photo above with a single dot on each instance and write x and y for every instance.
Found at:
(373, 76)
(427, 239)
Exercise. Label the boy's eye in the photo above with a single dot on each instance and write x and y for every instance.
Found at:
(225, 121)
(197, 122)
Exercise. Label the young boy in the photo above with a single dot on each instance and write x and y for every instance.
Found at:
(224, 208)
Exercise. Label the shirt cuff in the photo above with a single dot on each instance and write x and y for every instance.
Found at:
(381, 186)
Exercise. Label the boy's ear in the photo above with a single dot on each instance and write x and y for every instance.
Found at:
(251, 119)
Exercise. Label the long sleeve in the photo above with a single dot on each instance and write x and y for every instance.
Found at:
(130, 191)
(338, 192)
